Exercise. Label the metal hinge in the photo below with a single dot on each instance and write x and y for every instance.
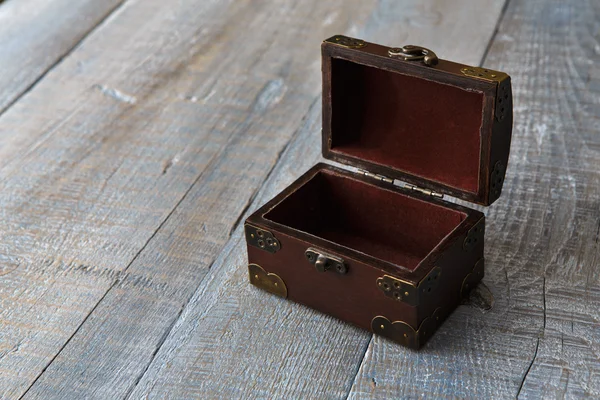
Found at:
(424, 191)
(376, 176)
(383, 178)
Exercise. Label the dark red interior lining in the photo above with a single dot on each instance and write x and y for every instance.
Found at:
(378, 222)
(428, 129)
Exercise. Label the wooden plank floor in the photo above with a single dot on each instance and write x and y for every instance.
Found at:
(135, 136)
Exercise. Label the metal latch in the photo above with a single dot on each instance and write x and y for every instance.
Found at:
(424, 191)
(324, 262)
(414, 53)
(375, 176)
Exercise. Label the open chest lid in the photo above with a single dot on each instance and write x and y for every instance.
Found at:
(404, 114)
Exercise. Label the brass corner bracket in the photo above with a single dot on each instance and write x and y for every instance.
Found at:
(407, 292)
(347, 42)
(484, 74)
(261, 238)
(497, 179)
(267, 281)
(503, 100)
(475, 235)
(472, 278)
(401, 332)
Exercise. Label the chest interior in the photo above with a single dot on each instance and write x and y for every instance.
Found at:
(381, 223)
(425, 128)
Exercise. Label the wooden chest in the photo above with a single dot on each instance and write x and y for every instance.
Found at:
(376, 244)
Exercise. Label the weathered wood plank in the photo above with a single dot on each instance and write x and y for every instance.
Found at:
(110, 142)
(36, 34)
(542, 337)
(233, 341)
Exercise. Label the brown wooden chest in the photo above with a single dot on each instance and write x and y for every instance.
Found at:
(376, 244)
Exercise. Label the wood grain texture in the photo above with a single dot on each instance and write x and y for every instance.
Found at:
(139, 154)
(542, 337)
(36, 34)
(141, 111)
(233, 341)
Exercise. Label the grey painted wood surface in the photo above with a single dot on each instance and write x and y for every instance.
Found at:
(174, 261)
(542, 337)
(36, 34)
(125, 125)
(224, 104)
(233, 341)
(123, 270)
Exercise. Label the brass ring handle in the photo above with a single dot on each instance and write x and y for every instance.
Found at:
(414, 53)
